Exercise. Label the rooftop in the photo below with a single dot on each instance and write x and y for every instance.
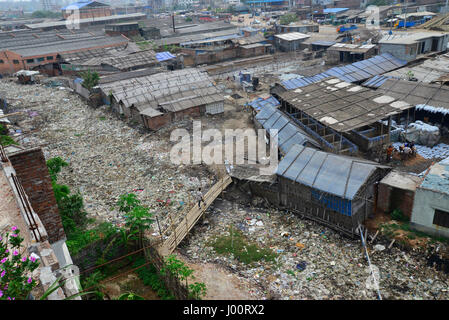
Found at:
(289, 134)
(409, 38)
(437, 179)
(401, 180)
(337, 175)
(417, 93)
(354, 72)
(292, 36)
(343, 106)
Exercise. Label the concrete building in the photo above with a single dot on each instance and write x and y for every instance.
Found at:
(397, 191)
(290, 41)
(86, 9)
(431, 204)
(297, 27)
(348, 53)
(410, 46)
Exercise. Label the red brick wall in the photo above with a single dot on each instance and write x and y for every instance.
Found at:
(157, 122)
(32, 171)
(388, 196)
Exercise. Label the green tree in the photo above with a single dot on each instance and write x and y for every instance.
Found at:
(90, 79)
(288, 18)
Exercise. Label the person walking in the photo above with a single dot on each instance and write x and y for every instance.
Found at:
(199, 197)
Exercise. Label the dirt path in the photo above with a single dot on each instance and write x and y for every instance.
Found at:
(220, 284)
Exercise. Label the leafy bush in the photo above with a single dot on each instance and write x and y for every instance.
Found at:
(6, 140)
(15, 270)
(90, 79)
(150, 277)
(398, 215)
(288, 18)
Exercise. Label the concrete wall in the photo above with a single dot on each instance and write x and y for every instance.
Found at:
(400, 51)
(424, 205)
(32, 172)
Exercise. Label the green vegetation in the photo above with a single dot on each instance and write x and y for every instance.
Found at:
(90, 79)
(151, 278)
(130, 296)
(188, 19)
(5, 140)
(399, 216)
(236, 244)
(74, 217)
(178, 269)
(288, 18)
(379, 2)
(46, 14)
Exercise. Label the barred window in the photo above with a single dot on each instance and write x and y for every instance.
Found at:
(441, 218)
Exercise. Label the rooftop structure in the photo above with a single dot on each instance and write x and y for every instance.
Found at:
(354, 72)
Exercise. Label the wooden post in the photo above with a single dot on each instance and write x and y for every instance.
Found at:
(159, 226)
(174, 231)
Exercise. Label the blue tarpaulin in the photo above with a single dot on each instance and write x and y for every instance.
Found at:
(334, 10)
(163, 56)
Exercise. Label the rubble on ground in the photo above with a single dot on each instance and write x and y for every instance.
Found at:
(107, 157)
(314, 262)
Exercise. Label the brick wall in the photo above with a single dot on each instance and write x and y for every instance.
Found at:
(389, 199)
(32, 171)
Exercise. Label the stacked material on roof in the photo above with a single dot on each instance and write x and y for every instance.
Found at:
(118, 76)
(338, 175)
(354, 72)
(343, 106)
(423, 95)
(175, 91)
(196, 37)
(288, 133)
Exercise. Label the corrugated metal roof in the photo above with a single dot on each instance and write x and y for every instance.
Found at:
(337, 175)
(260, 103)
(288, 133)
(354, 72)
(344, 106)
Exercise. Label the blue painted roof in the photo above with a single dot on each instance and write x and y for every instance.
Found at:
(357, 71)
(437, 177)
(334, 10)
(163, 56)
(264, 1)
(376, 81)
(78, 4)
(260, 103)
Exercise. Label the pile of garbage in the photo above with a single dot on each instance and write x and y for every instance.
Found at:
(107, 158)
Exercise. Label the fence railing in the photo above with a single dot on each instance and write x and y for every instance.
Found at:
(27, 208)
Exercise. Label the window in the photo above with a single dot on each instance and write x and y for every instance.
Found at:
(40, 59)
(50, 58)
(1, 61)
(441, 218)
(15, 61)
(30, 60)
